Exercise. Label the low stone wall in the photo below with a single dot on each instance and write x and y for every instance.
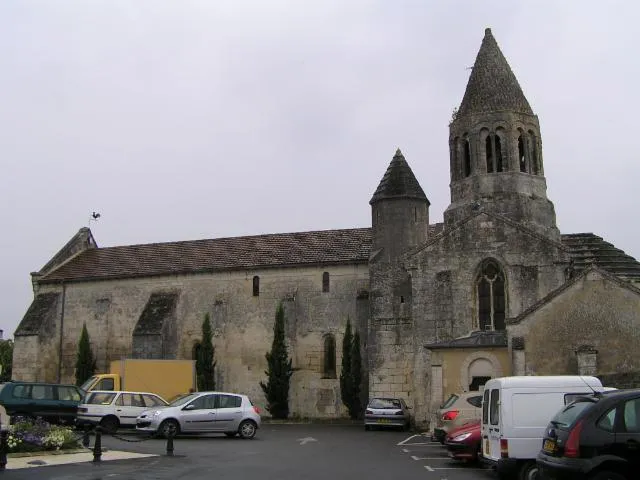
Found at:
(621, 380)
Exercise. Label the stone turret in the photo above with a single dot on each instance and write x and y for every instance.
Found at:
(496, 149)
(400, 211)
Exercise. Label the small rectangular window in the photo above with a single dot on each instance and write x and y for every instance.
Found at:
(256, 286)
(494, 407)
(325, 282)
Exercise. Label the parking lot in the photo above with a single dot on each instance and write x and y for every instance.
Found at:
(282, 452)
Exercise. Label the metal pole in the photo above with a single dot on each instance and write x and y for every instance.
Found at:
(3, 448)
(97, 446)
(170, 444)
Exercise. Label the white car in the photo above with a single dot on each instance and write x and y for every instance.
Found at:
(203, 412)
(112, 410)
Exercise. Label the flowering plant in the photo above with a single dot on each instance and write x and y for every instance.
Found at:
(27, 435)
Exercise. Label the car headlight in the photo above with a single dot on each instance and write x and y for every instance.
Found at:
(462, 437)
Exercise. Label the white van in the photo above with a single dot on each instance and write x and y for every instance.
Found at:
(515, 414)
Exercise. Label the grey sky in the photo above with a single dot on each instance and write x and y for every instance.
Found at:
(180, 120)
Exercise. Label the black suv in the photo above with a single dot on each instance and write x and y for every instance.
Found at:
(594, 438)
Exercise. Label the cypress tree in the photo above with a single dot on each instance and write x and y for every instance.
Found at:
(356, 375)
(85, 362)
(279, 371)
(205, 366)
(346, 377)
(6, 359)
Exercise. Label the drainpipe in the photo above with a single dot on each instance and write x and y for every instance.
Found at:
(64, 292)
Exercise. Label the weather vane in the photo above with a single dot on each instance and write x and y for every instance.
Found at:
(94, 216)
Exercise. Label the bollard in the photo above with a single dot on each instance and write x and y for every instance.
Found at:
(3, 448)
(85, 437)
(97, 446)
(170, 444)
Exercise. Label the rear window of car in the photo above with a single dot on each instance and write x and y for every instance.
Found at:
(450, 401)
(569, 414)
(68, 393)
(475, 401)
(385, 403)
(100, 398)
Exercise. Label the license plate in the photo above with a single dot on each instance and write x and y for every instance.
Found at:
(487, 448)
(549, 446)
(383, 420)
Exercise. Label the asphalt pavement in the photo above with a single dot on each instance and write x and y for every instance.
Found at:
(278, 452)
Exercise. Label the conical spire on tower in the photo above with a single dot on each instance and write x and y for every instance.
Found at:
(398, 181)
(492, 86)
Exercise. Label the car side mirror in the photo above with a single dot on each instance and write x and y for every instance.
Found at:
(191, 406)
(408, 407)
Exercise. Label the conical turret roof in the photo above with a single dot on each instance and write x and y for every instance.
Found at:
(492, 86)
(398, 181)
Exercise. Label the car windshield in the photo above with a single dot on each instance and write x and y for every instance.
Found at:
(100, 398)
(569, 414)
(450, 401)
(385, 403)
(182, 399)
(90, 381)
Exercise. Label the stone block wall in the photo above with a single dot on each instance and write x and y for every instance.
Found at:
(242, 326)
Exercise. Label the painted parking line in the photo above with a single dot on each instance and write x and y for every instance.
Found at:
(429, 458)
(433, 469)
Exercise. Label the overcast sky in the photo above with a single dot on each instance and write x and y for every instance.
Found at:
(180, 120)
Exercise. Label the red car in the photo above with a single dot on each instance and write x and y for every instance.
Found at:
(464, 442)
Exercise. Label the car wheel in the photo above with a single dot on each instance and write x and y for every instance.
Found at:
(247, 429)
(407, 427)
(230, 434)
(607, 476)
(110, 424)
(529, 471)
(169, 428)
(367, 428)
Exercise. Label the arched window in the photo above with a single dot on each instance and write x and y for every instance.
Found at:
(195, 353)
(498, 152)
(522, 156)
(535, 161)
(256, 286)
(489, 153)
(490, 287)
(467, 158)
(455, 169)
(329, 360)
(325, 282)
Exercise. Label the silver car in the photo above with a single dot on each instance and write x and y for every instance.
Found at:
(203, 412)
(387, 412)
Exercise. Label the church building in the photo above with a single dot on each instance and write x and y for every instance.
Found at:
(495, 289)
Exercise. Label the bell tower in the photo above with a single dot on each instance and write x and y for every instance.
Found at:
(496, 149)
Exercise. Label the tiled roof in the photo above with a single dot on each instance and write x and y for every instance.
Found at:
(588, 249)
(474, 340)
(492, 86)
(233, 253)
(399, 181)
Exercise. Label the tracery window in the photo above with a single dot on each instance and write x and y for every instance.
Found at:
(490, 286)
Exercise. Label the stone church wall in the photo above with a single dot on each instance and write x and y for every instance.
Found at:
(242, 326)
(594, 311)
(443, 283)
